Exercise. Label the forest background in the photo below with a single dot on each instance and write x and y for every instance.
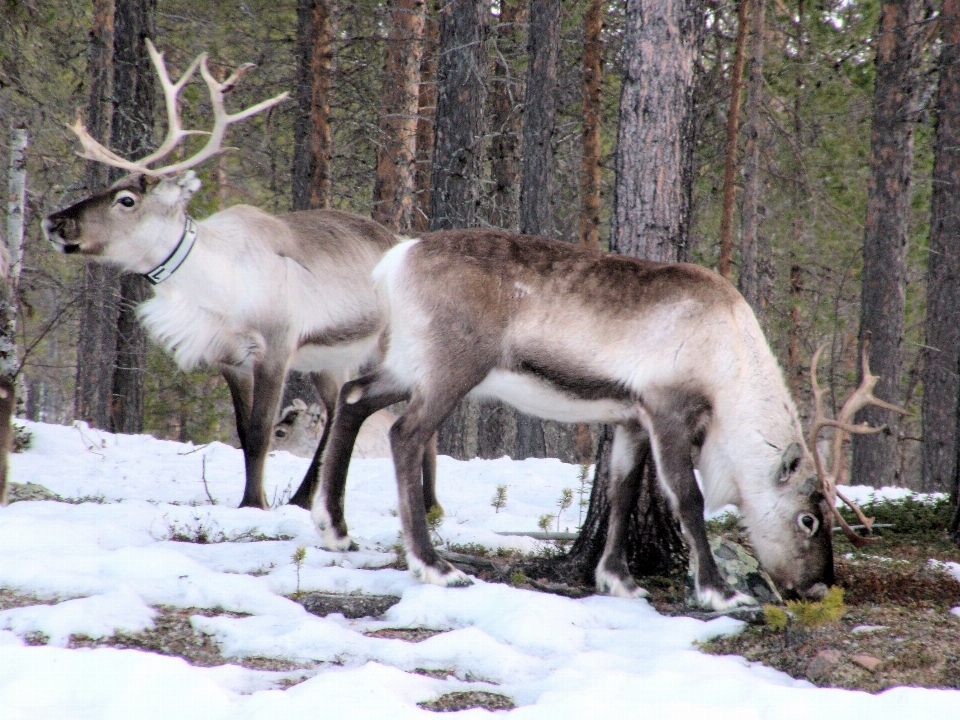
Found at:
(813, 112)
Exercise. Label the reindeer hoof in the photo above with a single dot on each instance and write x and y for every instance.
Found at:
(336, 543)
(621, 587)
(713, 599)
(445, 575)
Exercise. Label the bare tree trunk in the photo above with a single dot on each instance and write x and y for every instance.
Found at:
(652, 195)
(426, 109)
(312, 140)
(457, 161)
(654, 163)
(725, 261)
(395, 186)
(590, 159)
(941, 384)
(539, 119)
(11, 259)
(458, 125)
(99, 305)
(505, 92)
(752, 211)
(131, 136)
(885, 234)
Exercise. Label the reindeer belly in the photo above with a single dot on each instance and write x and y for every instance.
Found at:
(535, 396)
(348, 357)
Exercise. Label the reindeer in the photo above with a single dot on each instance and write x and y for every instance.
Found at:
(300, 427)
(244, 291)
(671, 354)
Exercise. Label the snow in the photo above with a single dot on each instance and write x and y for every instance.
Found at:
(105, 565)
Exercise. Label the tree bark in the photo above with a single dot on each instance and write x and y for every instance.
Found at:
(725, 261)
(539, 119)
(426, 109)
(941, 384)
(752, 211)
(885, 234)
(651, 219)
(131, 136)
(505, 92)
(590, 158)
(654, 163)
(99, 304)
(312, 140)
(457, 161)
(395, 185)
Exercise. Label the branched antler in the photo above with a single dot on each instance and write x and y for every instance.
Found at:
(861, 398)
(92, 150)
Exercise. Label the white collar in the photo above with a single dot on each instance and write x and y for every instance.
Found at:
(169, 266)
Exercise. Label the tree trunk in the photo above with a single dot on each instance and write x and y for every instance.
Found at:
(941, 384)
(885, 234)
(725, 261)
(100, 298)
(395, 186)
(311, 139)
(752, 211)
(539, 119)
(590, 158)
(651, 212)
(131, 136)
(504, 99)
(458, 125)
(457, 161)
(654, 163)
(426, 109)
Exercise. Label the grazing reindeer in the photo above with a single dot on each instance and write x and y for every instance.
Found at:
(300, 427)
(247, 292)
(670, 354)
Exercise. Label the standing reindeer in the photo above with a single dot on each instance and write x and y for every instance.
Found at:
(247, 292)
(670, 354)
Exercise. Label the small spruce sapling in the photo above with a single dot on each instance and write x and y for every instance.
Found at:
(298, 557)
(563, 502)
(583, 491)
(500, 498)
(434, 521)
(805, 614)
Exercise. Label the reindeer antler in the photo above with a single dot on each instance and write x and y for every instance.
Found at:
(92, 150)
(861, 397)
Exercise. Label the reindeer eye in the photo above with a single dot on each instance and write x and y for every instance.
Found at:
(808, 523)
(281, 433)
(127, 200)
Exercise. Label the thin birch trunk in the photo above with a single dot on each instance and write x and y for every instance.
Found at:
(590, 157)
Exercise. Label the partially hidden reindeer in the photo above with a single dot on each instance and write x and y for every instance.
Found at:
(247, 292)
(669, 353)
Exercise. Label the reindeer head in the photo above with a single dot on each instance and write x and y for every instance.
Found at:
(138, 221)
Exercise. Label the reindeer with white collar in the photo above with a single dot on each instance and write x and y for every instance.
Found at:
(244, 291)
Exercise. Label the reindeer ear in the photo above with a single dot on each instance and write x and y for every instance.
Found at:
(189, 183)
(789, 461)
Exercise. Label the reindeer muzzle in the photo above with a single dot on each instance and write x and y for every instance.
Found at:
(61, 231)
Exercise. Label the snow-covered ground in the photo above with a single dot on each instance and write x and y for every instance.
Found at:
(110, 563)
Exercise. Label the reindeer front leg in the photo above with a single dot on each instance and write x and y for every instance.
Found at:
(671, 442)
(631, 447)
(268, 377)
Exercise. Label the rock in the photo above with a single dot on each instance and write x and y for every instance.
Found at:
(742, 571)
(823, 662)
(867, 661)
(351, 606)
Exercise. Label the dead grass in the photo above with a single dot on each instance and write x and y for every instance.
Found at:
(411, 635)
(456, 701)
